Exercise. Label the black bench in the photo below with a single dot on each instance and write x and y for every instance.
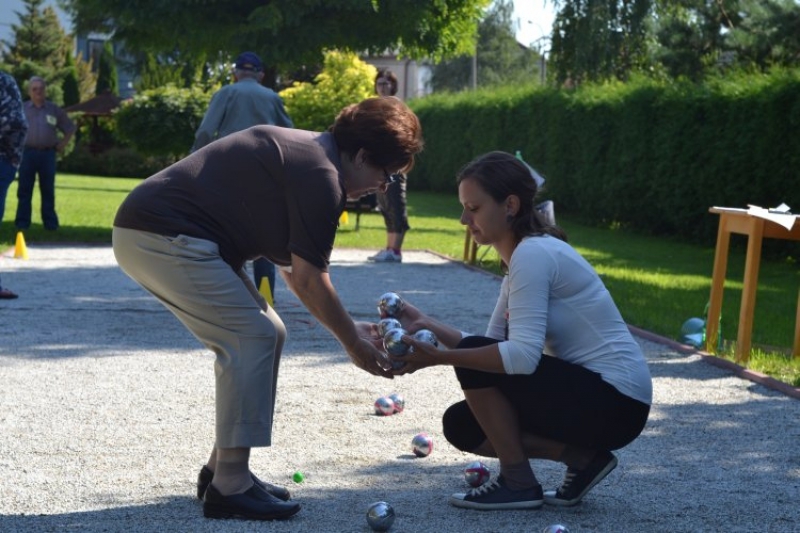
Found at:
(365, 204)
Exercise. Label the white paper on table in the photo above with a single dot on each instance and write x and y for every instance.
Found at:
(780, 215)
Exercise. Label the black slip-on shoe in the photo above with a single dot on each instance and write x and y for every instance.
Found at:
(253, 504)
(205, 476)
(6, 294)
(578, 482)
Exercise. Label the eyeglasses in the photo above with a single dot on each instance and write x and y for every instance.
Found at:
(390, 178)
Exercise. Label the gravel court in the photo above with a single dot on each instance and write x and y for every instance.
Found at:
(107, 415)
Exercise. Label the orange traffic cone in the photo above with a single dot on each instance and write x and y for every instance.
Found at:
(266, 292)
(20, 249)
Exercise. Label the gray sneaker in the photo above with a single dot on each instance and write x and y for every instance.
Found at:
(494, 495)
(578, 482)
(386, 256)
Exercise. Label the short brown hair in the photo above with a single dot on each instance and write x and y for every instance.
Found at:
(390, 77)
(385, 128)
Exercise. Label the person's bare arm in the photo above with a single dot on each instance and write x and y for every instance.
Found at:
(484, 358)
(314, 288)
(414, 320)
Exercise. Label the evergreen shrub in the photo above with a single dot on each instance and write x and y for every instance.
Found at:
(162, 122)
(645, 154)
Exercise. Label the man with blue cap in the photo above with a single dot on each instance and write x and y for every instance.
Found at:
(238, 106)
(242, 104)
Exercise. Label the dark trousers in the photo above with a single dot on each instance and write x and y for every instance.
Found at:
(7, 174)
(393, 204)
(43, 163)
(263, 268)
(559, 401)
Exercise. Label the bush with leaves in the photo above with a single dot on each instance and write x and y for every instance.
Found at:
(648, 155)
(116, 162)
(344, 80)
(162, 122)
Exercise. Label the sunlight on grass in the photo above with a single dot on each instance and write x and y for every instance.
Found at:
(657, 283)
(664, 280)
(593, 255)
(780, 366)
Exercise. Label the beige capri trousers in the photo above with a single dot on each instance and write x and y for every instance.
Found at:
(221, 308)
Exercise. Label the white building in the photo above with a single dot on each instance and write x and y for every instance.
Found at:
(413, 78)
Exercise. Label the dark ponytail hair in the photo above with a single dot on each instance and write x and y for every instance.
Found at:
(501, 175)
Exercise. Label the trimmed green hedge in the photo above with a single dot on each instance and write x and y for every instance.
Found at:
(647, 155)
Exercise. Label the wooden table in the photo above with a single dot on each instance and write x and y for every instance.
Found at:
(756, 228)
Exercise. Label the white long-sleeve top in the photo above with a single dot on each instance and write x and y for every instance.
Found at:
(554, 303)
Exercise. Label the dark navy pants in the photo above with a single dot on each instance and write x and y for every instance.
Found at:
(7, 174)
(263, 268)
(43, 163)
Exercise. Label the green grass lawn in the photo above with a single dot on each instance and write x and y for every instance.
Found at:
(656, 283)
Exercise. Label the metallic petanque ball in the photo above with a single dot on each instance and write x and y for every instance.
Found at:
(384, 406)
(422, 445)
(393, 342)
(387, 324)
(555, 528)
(476, 474)
(399, 402)
(390, 305)
(380, 516)
(426, 335)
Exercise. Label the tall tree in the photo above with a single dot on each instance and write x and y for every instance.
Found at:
(177, 69)
(70, 85)
(691, 34)
(153, 74)
(596, 40)
(39, 48)
(107, 78)
(500, 58)
(768, 34)
(286, 33)
(698, 37)
(87, 78)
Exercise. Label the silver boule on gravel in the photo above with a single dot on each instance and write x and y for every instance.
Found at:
(422, 445)
(399, 402)
(380, 516)
(476, 474)
(384, 406)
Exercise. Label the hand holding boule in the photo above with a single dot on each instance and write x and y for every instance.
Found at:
(420, 355)
(368, 358)
(370, 332)
(412, 318)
